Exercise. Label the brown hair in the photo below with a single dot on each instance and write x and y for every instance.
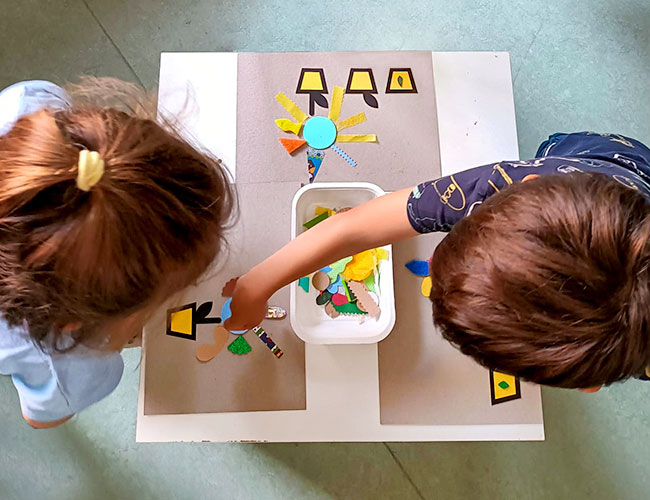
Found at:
(548, 280)
(152, 224)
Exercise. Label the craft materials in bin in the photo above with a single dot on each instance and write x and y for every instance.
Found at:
(347, 286)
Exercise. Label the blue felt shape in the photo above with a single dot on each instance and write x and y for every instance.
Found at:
(226, 313)
(418, 267)
(326, 269)
(225, 310)
(333, 288)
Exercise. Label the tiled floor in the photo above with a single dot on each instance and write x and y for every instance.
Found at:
(577, 65)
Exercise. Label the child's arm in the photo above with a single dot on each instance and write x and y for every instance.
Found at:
(375, 223)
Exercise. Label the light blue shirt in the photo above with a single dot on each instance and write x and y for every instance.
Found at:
(51, 386)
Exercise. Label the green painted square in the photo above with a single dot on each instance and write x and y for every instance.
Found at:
(503, 384)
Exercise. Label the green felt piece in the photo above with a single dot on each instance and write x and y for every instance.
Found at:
(338, 267)
(323, 298)
(319, 218)
(349, 308)
(348, 294)
(503, 384)
(304, 283)
(239, 346)
(370, 283)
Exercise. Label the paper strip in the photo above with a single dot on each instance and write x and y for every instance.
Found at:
(351, 121)
(268, 341)
(344, 155)
(356, 138)
(316, 220)
(337, 101)
(288, 126)
(291, 107)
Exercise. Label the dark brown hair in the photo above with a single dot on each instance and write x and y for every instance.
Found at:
(152, 224)
(548, 280)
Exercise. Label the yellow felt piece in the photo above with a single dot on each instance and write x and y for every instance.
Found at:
(361, 266)
(350, 122)
(407, 84)
(291, 107)
(500, 393)
(337, 102)
(426, 286)
(356, 138)
(361, 81)
(382, 253)
(321, 210)
(288, 125)
(311, 81)
(181, 322)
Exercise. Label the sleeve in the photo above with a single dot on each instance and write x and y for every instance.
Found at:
(439, 204)
(52, 387)
(23, 98)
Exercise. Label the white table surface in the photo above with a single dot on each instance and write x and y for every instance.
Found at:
(476, 120)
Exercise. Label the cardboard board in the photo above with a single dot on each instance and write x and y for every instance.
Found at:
(405, 123)
(176, 382)
(423, 379)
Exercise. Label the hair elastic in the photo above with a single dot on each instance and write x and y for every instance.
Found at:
(89, 170)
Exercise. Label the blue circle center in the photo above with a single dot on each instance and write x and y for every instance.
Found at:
(319, 132)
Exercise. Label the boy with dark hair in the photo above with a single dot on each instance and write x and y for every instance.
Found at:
(544, 274)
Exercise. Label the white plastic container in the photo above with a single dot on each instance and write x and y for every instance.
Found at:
(309, 320)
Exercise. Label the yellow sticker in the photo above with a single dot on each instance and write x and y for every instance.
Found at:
(311, 81)
(401, 80)
(181, 322)
(361, 81)
(504, 387)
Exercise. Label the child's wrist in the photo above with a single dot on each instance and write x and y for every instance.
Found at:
(254, 288)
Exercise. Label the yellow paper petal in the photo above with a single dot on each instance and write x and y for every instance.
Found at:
(356, 138)
(337, 101)
(350, 122)
(291, 107)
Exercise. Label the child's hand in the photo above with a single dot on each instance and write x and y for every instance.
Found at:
(248, 306)
(373, 224)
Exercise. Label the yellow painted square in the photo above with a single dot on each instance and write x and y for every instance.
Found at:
(500, 393)
(311, 80)
(361, 81)
(407, 84)
(181, 322)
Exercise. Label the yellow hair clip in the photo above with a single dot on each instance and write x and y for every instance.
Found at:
(89, 170)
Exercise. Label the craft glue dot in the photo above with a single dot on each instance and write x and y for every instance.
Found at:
(319, 132)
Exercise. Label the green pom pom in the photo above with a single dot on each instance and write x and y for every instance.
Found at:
(239, 346)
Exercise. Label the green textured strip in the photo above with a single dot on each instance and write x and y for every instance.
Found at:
(319, 218)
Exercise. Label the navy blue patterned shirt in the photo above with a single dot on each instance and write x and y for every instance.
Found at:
(437, 205)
